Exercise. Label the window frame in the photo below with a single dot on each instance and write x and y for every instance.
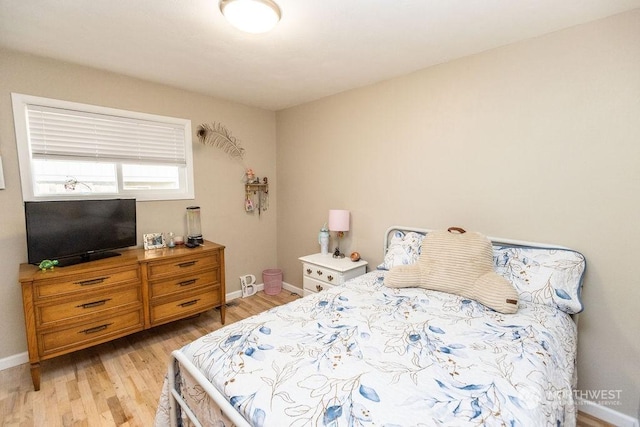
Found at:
(25, 156)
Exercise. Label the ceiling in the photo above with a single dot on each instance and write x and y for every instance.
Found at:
(319, 48)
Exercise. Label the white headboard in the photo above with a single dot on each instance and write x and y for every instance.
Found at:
(495, 240)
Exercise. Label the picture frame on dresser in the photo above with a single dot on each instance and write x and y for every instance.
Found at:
(153, 241)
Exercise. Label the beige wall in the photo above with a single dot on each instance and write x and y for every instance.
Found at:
(537, 141)
(249, 240)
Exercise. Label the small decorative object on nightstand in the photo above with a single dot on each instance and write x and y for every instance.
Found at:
(321, 272)
(323, 239)
(338, 222)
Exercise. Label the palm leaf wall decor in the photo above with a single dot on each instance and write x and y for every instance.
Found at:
(219, 136)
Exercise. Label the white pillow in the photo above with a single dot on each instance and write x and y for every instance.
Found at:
(404, 249)
(546, 276)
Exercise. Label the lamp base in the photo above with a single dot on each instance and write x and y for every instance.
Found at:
(337, 253)
(195, 240)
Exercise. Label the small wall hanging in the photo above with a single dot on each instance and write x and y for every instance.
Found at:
(256, 195)
(256, 191)
(219, 136)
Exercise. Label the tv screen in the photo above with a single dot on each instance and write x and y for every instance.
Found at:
(79, 230)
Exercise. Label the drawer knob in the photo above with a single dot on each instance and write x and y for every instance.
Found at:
(309, 271)
(188, 303)
(330, 277)
(319, 288)
(96, 281)
(187, 282)
(94, 303)
(319, 272)
(95, 329)
(187, 264)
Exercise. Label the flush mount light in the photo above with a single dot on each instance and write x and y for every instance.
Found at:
(251, 16)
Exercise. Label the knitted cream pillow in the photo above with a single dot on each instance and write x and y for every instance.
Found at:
(460, 263)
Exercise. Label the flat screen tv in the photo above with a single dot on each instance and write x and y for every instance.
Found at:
(76, 231)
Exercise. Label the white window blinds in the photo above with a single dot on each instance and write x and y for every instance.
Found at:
(69, 134)
(70, 150)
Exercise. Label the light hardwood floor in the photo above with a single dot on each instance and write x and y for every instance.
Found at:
(119, 383)
(116, 383)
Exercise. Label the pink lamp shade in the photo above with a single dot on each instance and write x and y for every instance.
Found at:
(338, 220)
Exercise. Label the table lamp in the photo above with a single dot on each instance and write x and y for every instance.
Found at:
(338, 222)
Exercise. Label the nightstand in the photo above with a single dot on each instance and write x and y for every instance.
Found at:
(324, 271)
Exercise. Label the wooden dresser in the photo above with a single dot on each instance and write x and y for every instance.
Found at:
(71, 308)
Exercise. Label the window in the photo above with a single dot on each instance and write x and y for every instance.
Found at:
(69, 150)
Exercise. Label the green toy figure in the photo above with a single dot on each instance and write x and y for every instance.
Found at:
(48, 264)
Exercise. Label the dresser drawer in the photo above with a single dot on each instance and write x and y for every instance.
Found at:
(184, 282)
(87, 281)
(323, 274)
(60, 340)
(183, 265)
(91, 304)
(193, 303)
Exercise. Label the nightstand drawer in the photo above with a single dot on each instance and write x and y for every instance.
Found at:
(312, 285)
(322, 274)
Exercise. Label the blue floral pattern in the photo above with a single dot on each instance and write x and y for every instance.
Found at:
(547, 276)
(362, 354)
(550, 276)
(403, 249)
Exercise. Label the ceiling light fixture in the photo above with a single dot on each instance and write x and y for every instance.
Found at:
(251, 16)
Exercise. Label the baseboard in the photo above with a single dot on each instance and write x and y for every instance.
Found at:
(293, 289)
(260, 287)
(19, 359)
(605, 413)
(15, 360)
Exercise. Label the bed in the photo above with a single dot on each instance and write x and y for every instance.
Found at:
(364, 354)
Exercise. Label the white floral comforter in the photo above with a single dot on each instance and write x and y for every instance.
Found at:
(363, 354)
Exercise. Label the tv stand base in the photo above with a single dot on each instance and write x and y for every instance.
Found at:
(95, 256)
